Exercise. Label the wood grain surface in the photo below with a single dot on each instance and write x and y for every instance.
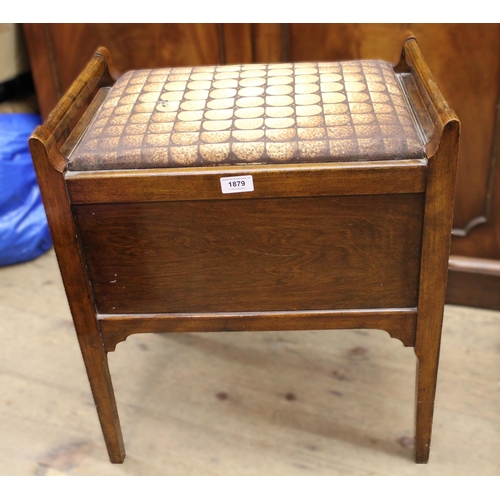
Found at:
(400, 323)
(253, 255)
(49, 165)
(339, 179)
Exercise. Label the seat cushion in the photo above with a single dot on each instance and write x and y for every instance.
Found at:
(251, 114)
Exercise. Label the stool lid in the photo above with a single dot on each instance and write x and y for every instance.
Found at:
(251, 114)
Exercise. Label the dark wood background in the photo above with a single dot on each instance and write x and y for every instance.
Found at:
(464, 58)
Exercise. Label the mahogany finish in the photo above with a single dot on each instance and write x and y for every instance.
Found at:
(481, 278)
(236, 255)
(129, 186)
(155, 250)
(60, 51)
(48, 165)
(399, 323)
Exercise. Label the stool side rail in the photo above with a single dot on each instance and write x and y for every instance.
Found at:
(398, 323)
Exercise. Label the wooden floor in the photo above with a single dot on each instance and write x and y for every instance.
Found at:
(277, 403)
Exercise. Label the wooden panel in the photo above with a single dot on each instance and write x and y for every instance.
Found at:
(483, 240)
(268, 40)
(341, 42)
(474, 282)
(58, 52)
(342, 179)
(250, 255)
(47, 87)
(133, 45)
(245, 43)
(238, 46)
(473, 290)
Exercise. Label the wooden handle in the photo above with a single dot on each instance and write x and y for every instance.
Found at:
(63, 118)
(440, 113)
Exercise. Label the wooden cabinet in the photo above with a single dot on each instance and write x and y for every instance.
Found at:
(463, 58)
(59, 52)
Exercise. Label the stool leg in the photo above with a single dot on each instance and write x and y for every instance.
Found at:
(76, 283)
(438, 216)
(96, 364)
(427, 368)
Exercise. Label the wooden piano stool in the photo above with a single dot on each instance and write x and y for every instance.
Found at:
(252, 198)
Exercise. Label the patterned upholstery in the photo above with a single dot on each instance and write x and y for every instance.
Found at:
(251, 114)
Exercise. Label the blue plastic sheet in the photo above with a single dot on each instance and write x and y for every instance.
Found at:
(24, 233)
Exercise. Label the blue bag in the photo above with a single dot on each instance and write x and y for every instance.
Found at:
(24, 232)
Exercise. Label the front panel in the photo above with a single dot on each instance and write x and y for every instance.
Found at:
(281, 254)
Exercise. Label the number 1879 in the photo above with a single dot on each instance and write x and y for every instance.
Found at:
(235, 184)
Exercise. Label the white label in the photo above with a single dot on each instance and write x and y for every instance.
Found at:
(239, 184)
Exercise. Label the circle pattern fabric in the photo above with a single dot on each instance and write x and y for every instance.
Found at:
(251, 114)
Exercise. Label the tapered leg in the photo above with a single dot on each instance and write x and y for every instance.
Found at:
(78, 291)
(96, 364)
(438, 215)
(427, 367)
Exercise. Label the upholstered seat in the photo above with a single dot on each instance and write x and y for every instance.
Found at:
(251, 114)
